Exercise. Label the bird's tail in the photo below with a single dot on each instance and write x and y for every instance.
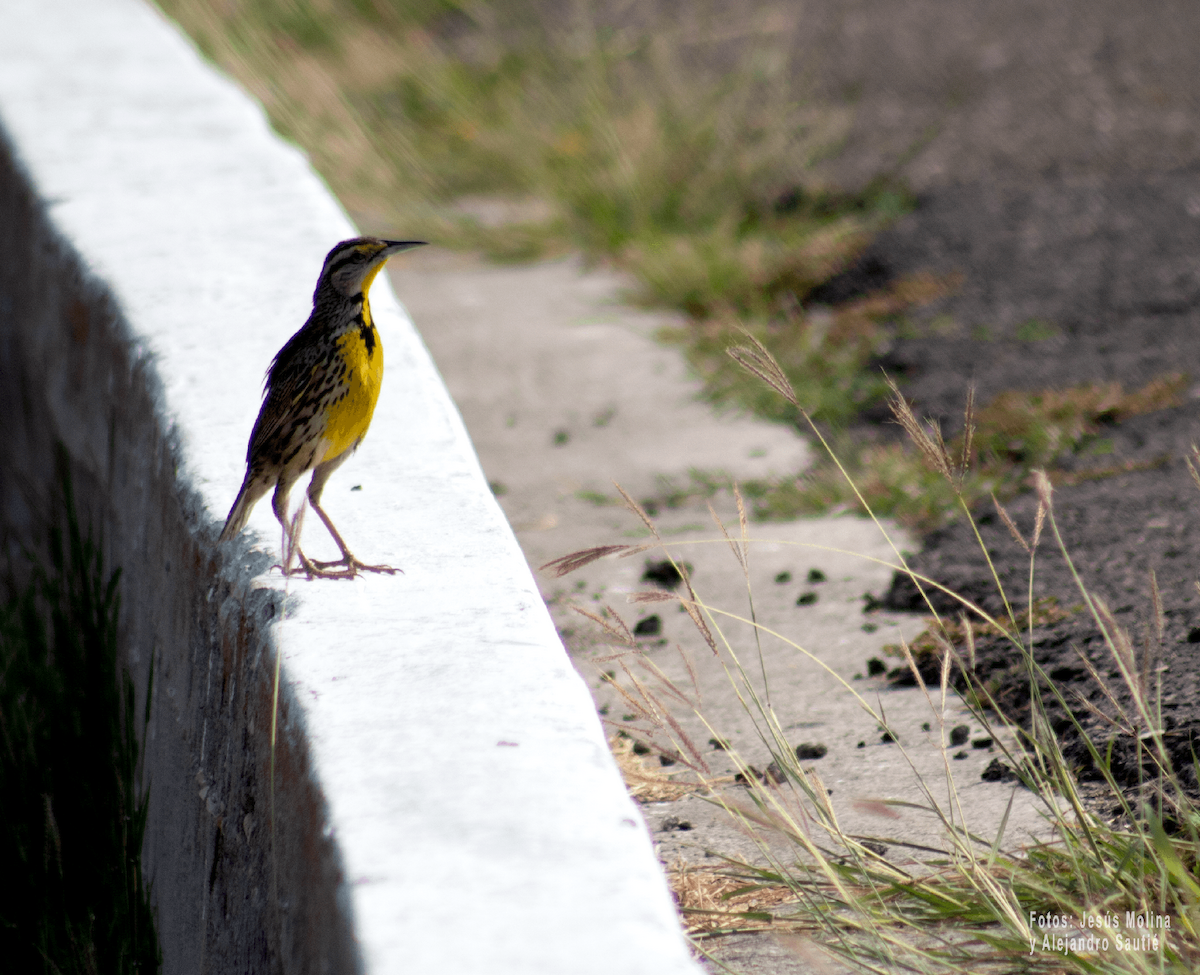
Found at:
(239, 514)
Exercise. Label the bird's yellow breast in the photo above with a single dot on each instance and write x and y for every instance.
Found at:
(350, 415)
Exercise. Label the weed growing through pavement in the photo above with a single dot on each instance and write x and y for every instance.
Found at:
(981, 904)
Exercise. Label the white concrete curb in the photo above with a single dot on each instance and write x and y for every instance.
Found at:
(442, 798)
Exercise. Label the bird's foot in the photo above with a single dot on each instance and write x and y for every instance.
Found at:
(346, 567)
(321, 570)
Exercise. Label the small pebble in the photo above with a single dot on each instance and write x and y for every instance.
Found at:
(650, 626)
(997, 771)
(811, 749)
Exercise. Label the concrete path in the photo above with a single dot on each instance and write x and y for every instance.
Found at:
(563, 391)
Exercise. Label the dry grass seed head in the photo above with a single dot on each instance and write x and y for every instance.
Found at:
(758, 361)
(743, 524)
(1118, 709)
(939, 442)
(692, 608)
(1038, 524)
(944, 680)
(664, 682)
(622, 626)
(912, 662)
(697, 619)
(1010, 525)
(1154, 635)
(1045, 491)
(650, 596)
(733, 546)
(622, 661)
(1122, 646)
(649, 707)
(698, 763)
(566, 564)
(619, 631)
(662, 719)
(969, 635)
(687, 663)
(638, 510)
(968, 440)
(1156, 604)
(1193, 463)
(666, 722)
(934, 453)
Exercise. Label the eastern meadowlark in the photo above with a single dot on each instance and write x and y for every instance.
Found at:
(319, 395)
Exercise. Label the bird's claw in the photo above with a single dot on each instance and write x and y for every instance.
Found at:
(350, 567)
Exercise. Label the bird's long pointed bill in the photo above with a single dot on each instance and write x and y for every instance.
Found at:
(397, 246)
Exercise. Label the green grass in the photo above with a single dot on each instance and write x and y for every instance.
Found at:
(1036, 330)
(1014, 434)
(71, 818)
(638, 148)
(892, 478)
(1039, 429)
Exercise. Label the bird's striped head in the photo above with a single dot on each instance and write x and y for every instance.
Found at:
(352, 265)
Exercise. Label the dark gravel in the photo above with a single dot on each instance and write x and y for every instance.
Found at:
(1113, 264)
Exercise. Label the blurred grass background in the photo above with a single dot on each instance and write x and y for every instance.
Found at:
(670, 140)
(677, 142)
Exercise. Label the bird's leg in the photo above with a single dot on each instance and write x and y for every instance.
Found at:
(291, 536)
(311, 569)
(352, 565)
(291, 529)
(321, 570)
(293, 546)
